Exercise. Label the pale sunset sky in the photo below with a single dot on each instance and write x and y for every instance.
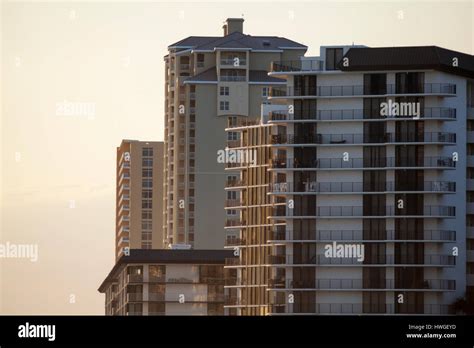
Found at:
(57, 183)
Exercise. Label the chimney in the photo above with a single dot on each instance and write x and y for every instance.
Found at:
(232, 25)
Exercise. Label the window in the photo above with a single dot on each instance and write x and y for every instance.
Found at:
(147, 151)
(147, 204)
(265, 91)
(231, 194)
(147, 183)
(231, 212)
(231, 178)
(147, 162)
(147, 173)
(146, 245)
(224, 90)
(232, 135)
(146, 225)
(200, 60)
(333, 57)
(232, 121)
(147, 194)
(147, 215)
(224, 106)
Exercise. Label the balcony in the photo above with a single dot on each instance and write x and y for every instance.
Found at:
(124, 187)
(234, 62)
(361, 285)
(470, 161)
(381, 260)
(234, 223)
(358, 308)
(232, 203)
(123, 218)
(235, 242)
(124, 176)
(231, 78)
(156, 297)
(184, 66)
(470, 255)
(123, 208)
(470, 112)
(354, 139)
(470, 184)
(297, 65)
(470, 232)
(438, 89)
(235, 183)
(358, 235)
(135, 297)
(278, 116)
(242, 122)
(156, 279)
(313, 187)
(134, 278)
(124, 197)
(358, 211)
(434, 162)
(124, 229)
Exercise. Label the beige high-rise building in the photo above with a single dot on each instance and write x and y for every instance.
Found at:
(139, 196)
(208, 81)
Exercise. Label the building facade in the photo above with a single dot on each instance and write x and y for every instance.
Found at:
(166, 282)
(360, 200)
(208, 80)
(139, 196)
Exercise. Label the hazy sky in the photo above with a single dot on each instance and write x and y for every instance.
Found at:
(58, 170)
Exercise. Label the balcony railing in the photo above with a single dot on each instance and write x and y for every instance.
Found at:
(359, 235)
(134, 297)
(230, 78)
(382, 259)
(154, 296)
(235, 242)
(235, 183)
(355, 163)
(358, 211)
(341, 187)
(358, 308)
(135, 278)
(360, 284)
(297, 65)
(338, 139)
(357, 114)
(234, 62)
(358, 90)
(229, 203)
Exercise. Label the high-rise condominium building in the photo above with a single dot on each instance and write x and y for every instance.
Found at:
(208, 81)
(166, 282)
(139, 205)
(361, 199)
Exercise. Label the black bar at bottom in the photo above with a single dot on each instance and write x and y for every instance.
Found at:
(294, 330)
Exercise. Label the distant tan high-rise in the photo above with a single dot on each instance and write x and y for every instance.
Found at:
(208, 81)
(139, 203)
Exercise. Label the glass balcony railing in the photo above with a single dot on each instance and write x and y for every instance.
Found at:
(297, 65)
(360, 235)
(387, 138)
(359, 90)
(382, 259)
(358, 211)
(340, 187)
(357, 114)
(356, 163)
(360, 284)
